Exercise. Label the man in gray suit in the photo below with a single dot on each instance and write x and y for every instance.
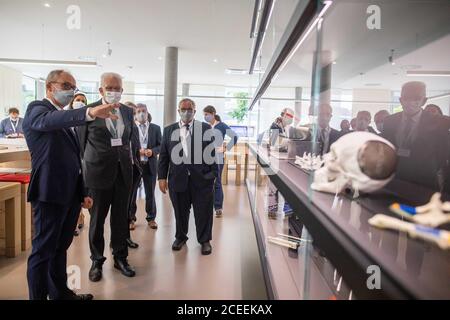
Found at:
(106, 145)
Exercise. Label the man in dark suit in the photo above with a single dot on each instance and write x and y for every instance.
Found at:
(150, 145)
(187, 168)
(56, 189)
(107, 161)
(325, 134)
(421, 139)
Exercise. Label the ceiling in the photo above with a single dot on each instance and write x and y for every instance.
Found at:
(211, 35)
(418, 31)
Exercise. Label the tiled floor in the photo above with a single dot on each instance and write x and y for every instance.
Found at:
(232, 271)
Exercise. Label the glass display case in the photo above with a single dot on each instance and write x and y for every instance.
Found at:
(347, 165)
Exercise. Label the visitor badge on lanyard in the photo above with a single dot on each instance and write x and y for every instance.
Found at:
(14, 127)
(116, 142)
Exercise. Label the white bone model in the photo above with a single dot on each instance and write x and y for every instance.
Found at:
(309, 161)
(432, 214)
(437, 236)
(342, 169)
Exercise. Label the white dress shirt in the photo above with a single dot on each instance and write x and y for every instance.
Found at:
(184, 134)
(120, 126)
(143, 136)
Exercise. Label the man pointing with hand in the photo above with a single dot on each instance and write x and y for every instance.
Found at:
(56, 189)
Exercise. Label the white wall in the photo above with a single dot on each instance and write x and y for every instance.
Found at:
(369, 100)
(10, 89)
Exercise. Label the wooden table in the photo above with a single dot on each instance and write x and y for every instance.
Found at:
(10, 196)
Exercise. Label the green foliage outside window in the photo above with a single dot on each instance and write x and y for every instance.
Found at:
(240, 111)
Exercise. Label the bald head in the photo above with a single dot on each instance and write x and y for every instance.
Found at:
(377, 160)
(413, 97)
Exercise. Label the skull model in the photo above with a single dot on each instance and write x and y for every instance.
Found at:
(361, 160)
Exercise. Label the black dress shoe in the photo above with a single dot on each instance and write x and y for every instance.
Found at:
(206, 248)
(178, 244)
(124, 267)
(131, 244)
(95, 273)
(79, 297)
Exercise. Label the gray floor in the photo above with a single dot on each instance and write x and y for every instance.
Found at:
(232, 271)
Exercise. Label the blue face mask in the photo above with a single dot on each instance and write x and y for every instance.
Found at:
(63, 96)
(209, 118)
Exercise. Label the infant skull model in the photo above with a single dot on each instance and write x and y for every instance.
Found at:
(360, 160)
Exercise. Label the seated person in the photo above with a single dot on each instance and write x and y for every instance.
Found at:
(379, 119)
(421, 139)
(11, 127)
(362, 122)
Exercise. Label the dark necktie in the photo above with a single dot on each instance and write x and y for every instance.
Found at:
(406, 134)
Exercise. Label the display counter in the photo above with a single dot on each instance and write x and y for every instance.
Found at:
(345, 254)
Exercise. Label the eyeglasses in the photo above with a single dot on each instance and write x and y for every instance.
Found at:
(66, 85)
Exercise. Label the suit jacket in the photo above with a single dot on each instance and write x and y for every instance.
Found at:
(202, 171)
(334, 136)
(429, 150)
(153, 143)
(100, 159)
(7, 129)
(55, 153)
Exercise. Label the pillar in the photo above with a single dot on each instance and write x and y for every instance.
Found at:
(170, 85)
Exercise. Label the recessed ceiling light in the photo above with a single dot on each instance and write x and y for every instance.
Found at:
(235, 71)
(428, 73)
(408, 67)
(47, 5)
(215, 60)
(334, 62)
(159, 58)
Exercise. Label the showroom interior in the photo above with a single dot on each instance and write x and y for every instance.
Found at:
(283, 234)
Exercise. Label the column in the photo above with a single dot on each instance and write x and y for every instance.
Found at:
(170, 85)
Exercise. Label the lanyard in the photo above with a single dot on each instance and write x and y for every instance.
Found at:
(143, 135)
(14, 127)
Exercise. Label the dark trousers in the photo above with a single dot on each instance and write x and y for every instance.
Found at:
(54, 226)
(134, 189)
(117, 198)
(149, 181)
(218, 190)
(201, 199)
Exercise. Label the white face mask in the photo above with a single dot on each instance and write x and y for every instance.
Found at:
(113, 96)
(141, 117)
(78, 104)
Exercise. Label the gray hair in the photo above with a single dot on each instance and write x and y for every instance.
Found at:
(186, 100)
(108, 75)
(142, 106)
(54, 75)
